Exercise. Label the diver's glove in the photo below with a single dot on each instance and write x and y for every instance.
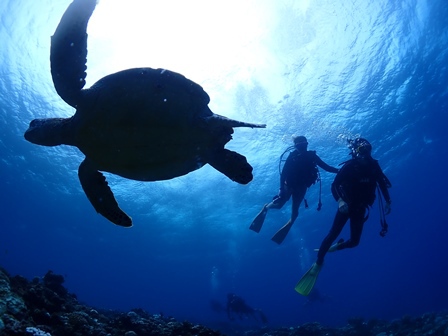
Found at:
(343, 207)
(387, 208)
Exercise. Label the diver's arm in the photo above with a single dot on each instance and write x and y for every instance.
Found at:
(338, 187)
(335, 191)
(286, 171)
(383, 187)
(383, 183)
(385, 192)
(325, 166)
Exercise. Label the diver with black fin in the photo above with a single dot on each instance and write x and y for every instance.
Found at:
(354, 189)
(298, 174)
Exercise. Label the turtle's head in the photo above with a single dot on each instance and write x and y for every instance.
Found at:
(48, 132)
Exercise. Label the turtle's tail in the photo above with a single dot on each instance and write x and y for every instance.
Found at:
(218, 120)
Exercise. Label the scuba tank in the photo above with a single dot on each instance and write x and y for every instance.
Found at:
(281, 164)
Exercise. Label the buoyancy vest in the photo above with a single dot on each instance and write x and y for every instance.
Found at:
(356, 182)
(300, 169)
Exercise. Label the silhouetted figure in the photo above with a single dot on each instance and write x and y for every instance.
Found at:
(354, 188)
(236, 306)
(298, 174)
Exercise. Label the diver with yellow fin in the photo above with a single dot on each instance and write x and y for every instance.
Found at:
(354, 189)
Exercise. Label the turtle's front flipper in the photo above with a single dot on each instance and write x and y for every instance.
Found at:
(231, 164)
(99, 194)
(68, 55)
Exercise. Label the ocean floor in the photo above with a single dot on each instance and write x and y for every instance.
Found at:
(43, 306)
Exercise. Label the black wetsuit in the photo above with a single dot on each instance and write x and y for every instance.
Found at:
(356, 184)
(298, 174)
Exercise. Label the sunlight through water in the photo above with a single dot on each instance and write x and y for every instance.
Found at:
(329, 70)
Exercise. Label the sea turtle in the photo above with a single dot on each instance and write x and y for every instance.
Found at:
(142, 124)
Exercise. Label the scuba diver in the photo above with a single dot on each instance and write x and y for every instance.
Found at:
(354, 189)
(298, 174)
(237, 306)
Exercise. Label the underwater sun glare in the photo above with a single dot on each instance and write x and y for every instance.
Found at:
(214, 38)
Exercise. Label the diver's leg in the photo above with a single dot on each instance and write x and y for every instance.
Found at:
(356, 226)
(338, 224)
(277, 203)
(297, 197)
(308, 280)
(280, 200)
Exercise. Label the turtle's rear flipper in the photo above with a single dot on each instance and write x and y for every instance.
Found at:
(99, 194)
(231, 164)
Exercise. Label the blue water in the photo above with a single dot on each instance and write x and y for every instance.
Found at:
(329, 70)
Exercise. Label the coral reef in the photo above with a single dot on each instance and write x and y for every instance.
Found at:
(434, 324)
(44, 307)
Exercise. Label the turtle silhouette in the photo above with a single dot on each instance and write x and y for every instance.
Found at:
(142, 124)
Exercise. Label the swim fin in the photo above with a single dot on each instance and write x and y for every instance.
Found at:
(259, 220)
(306, 283)
(280, 235)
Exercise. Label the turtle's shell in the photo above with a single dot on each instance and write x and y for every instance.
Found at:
(146, 124)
